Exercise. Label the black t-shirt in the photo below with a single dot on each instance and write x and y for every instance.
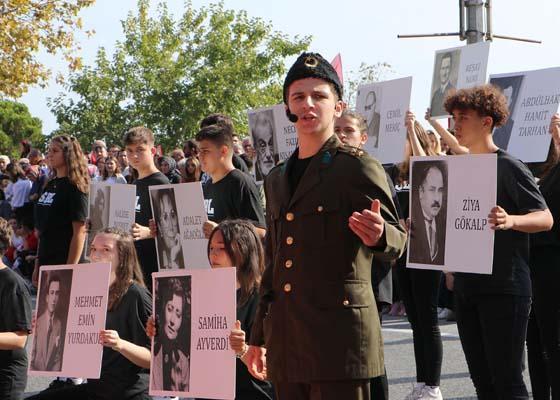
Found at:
(146, 249)
(60, 204)
(239, 163)
(296, 171)
(120, 378)
(247, 387)
(233, 196)
(550, 189)
(15, 300)
(517, 194)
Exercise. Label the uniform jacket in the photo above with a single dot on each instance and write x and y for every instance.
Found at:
(47, 358)
(317, 316)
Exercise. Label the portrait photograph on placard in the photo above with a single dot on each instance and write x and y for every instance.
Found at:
(53, 302)
(99, 201)
(510, 86)
(445, 77)
(449, 229)
(429, 212)
(168, 239)
(372, 112)
(262, 128)
(170, 371)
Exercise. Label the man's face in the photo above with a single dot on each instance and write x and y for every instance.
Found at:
(431, 193)
(348, 131)
(114, 151)
(264, 140)
(508, 93)
(444, 70)
(100, 152)
(370, 106)
(139, 154)
(123, 159)
(237, 147)
(210, 156)
(469, 126)
(314, 102)
(52, 296)
(2, 164)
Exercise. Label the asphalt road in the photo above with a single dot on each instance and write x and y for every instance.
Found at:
(399, 359)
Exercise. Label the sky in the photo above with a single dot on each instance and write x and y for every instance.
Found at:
(362, 31)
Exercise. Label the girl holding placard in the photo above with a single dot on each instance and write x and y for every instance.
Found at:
(126, 356)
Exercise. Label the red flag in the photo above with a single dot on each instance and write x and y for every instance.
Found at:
(337, 65)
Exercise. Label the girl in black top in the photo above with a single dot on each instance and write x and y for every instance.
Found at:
(61, 211)
(126, 355)
(235, 243)
(15, 324)
(543, 333)
(492, 310)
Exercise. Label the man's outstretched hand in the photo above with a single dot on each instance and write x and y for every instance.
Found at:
(369, 224)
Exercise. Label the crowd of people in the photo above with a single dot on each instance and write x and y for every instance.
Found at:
(320, 249)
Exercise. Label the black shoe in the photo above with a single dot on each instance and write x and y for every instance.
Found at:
(59, 384)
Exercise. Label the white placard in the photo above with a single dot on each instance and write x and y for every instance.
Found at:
(71, 311)
(274, 137)
(533, 98)
(384, 105)
(196, 311)
(457, 68)
(180, 214)
(450, 199)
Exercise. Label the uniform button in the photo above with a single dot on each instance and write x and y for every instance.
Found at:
(289, 240)
(320, 209)
(289, 264)
(287, 288)
(290, 216)
(346, 302)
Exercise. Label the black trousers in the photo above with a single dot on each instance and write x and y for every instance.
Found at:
(492, 329)
(543, 333)
(420, 293)
(328, 390)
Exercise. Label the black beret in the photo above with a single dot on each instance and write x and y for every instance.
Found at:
(312, 65)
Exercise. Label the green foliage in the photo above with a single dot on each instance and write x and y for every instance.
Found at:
(16, 124)
(168, 74)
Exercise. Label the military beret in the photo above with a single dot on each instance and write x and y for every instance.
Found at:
(312, 65)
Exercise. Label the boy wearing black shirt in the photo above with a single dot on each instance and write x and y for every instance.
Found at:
(230, 193)
(140, 151)
(493, 310)
(15, 324)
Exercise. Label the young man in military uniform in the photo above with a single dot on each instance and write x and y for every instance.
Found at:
(316, 334)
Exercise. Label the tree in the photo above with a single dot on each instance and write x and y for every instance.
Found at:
(167, 74)
(28, 26)
(367, 73)
(16, 124)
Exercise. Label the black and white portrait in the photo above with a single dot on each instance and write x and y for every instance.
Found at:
(428, 212)
(168, 239)
(373, 116)
(170, 367)
(262, 131)
(50, 326)
(446, 73)
(99, 200)
(510, 86)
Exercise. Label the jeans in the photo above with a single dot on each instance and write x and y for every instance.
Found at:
(420, 293)
(492, 328)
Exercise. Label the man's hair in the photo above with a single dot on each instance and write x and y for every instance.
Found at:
(362, 123)
(53, 277)
(218, 134)
(139, 135)
(218, 119)
(6, 234)
(426, 166)
(487, 100)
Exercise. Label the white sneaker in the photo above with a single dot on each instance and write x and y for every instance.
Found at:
(431, 393)
(416, 391)
(443, 314)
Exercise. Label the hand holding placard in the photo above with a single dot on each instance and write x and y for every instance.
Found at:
(499, 219)
(237, 338)
(369, 224)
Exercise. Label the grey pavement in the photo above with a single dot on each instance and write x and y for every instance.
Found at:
(399, 359)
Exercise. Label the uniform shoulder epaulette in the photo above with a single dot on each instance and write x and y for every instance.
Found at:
(351, 150)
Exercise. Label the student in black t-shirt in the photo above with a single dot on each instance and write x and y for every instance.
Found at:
(492, 310)
(230, 193)
(15, 324)
(140, 151)
(126, 355)
(61, 211)
(235, 243)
